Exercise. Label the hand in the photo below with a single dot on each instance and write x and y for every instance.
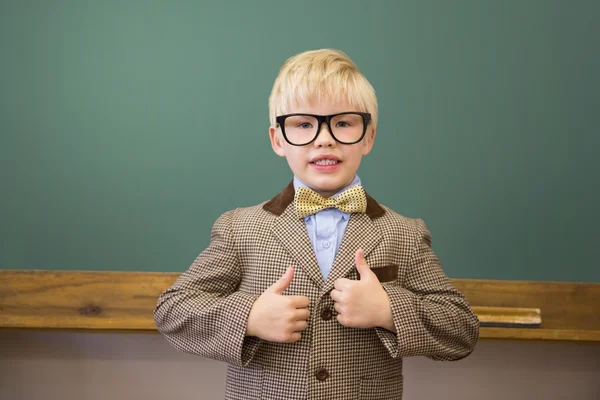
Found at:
(278, 318)
(363, 303)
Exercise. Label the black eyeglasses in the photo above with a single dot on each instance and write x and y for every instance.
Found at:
(303, 129)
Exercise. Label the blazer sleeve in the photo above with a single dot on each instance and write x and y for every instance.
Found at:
(431, 317)
(203, 313)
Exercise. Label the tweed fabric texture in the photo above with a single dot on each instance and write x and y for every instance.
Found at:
(206, 310)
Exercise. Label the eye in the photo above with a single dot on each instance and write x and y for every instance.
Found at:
(305, 125)
(342, 124)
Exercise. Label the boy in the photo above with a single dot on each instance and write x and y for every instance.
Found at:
(319, 292)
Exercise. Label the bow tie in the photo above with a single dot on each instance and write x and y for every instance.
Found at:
(309, 202)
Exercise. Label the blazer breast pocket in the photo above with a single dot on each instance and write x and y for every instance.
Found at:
(387, 273)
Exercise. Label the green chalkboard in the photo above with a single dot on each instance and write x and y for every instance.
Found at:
(127, 127)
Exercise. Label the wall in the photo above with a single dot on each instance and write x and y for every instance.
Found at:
(95, 366)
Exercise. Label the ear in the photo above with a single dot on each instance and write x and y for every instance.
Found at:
(368, 141)
(276, 141)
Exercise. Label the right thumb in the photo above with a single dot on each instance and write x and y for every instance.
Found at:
(283, 282)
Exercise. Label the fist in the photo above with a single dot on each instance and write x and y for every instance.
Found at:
(363, 303)
(278, 318)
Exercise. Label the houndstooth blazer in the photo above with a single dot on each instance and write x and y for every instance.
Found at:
(206, 309)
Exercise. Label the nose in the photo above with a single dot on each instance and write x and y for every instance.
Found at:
(324, 138)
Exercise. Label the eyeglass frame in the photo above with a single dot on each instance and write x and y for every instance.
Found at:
(280, 119)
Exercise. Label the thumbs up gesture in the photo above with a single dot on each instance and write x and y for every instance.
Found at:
(278, 318)
(363, 303)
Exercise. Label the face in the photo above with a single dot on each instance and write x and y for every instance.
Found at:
(306, 162)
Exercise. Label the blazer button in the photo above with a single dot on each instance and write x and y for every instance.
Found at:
(326, 314)
(322, 374)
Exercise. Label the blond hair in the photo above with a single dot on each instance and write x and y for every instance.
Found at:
(317, 75)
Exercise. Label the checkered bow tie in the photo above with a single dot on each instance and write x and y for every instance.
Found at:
(309, 202)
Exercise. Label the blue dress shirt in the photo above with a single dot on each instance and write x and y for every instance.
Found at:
(326, 229)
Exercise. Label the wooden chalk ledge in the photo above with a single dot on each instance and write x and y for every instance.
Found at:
(508, 317)
(124, 301)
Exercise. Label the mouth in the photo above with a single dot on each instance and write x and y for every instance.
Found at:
(325, 160)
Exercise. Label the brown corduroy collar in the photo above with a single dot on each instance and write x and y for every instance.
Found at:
(280, 202)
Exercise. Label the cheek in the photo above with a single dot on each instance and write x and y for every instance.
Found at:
(356, 155)
(294, 156)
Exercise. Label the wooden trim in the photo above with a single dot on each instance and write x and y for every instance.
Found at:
(507, 317)
(124, 301)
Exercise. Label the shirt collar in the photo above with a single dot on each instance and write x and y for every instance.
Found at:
(356, 181)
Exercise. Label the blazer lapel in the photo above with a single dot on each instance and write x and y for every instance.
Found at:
(361, 232)
(291, 232)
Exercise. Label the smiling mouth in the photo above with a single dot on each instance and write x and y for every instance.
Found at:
(325, 162)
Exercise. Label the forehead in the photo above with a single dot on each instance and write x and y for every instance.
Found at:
(325, 106)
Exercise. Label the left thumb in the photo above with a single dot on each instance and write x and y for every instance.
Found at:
(361, 264)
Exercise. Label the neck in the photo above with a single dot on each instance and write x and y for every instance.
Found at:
(328, 193)
(278, 204)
